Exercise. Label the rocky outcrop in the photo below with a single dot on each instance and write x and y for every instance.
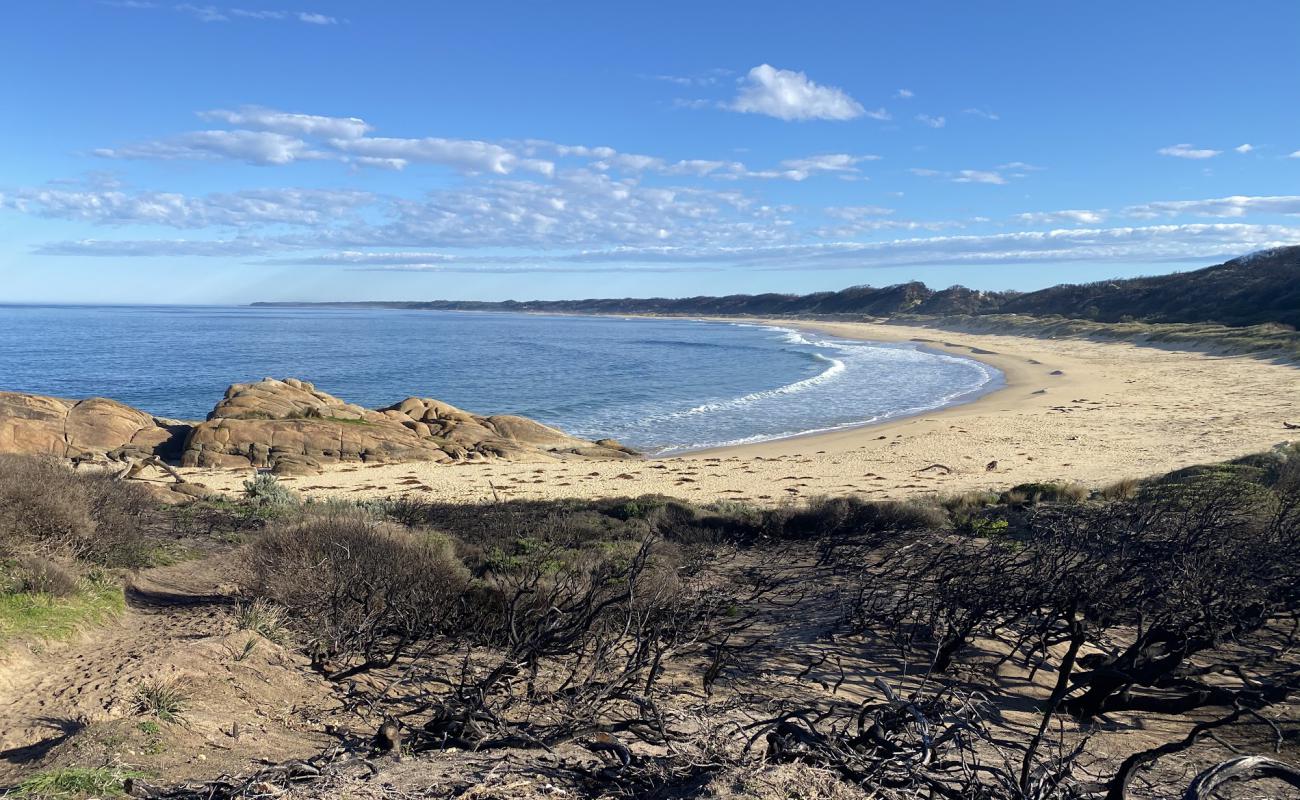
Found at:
(289, 426)
(294, 428)
(35, 424)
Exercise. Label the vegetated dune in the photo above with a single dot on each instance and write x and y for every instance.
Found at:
(1047, 641)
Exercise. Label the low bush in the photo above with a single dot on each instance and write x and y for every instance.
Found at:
(40, 575)
(363, 591)
(262, 617)
(839, 516)
(47, 508)
(1032, 494)
(268, 496)
(164, 698)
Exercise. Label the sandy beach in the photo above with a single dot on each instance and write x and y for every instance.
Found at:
(1071, 410)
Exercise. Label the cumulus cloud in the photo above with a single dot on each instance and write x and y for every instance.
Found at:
(1244, 148)
(904, 94)
(261, 148)
(1068, 216)
(269, 119)
(1234, 206)
(933, 122)
(464, 154)
(789, 95)
(245, 209)
(150, 248)
(1188, 151)
(991, 176)
(1153, 244)
(798, 169)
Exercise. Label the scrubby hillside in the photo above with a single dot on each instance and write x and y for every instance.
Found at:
(1256, 289)
(1048, 642)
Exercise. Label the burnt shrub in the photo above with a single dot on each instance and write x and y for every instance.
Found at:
(835, 516)
(362, 591)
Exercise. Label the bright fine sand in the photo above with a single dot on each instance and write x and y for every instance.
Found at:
(1114, 411)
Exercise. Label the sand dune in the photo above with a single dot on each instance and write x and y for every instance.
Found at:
(1071, 410)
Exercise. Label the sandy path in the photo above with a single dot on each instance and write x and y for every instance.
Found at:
(51, 694)
(1072, 410)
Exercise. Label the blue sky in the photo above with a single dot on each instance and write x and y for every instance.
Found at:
(229, 152)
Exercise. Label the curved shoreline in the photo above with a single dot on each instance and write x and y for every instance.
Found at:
(1071, 410)
(1012, 373)
(996, 382)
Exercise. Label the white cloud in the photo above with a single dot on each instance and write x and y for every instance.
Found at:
(1067, 216)
(964, 175)
(269, 119)
(1020, 166)
(1187, 151)
(246, 209)
(979, 176)
(981, 112)
(1152, 244)
(933, 122)
(203, 13)
(211, 13)
(262, 148)
(1296, 154)
(464, 154)
(854, 213)
(1244, 148)
(707, 78)
(1234, 206)
(789, 95)
(904, 94)
(798, 169)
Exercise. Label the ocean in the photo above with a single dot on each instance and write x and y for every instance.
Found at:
(659, 385)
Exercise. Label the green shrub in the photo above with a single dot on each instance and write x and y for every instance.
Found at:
(163, 698)
(266, 494)
(262, 617)
(835, 516)
(1035, 493)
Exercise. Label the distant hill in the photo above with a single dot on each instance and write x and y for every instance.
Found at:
(1256, 289)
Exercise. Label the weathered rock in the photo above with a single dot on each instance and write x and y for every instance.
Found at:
(288, 426)
(35, 424)
(294, 428)
(287, 399)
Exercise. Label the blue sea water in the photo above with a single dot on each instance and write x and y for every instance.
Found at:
(659, 385)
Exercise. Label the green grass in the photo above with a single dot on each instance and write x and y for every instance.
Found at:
(164, 698)
(25, 615)
(75, 782)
